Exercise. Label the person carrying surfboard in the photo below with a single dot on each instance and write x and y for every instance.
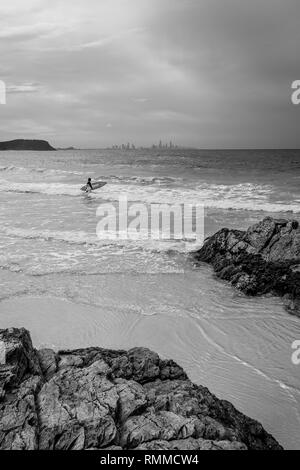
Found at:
(89, 186)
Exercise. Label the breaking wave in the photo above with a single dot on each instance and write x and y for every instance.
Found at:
(89, 239)
(247, 196)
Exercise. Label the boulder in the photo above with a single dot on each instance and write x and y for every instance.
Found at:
(96, 398)
(265, 259)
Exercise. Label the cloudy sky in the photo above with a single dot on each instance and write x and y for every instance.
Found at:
(205, 73)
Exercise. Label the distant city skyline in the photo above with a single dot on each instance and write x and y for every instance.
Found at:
(90, 74)
(132, 146)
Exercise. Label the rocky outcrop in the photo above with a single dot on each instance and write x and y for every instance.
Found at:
(265, 259)
(102, 399)
(25, 144)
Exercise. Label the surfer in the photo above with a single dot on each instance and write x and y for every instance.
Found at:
(89, 186)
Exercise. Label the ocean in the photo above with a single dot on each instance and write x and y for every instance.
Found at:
(73, 290)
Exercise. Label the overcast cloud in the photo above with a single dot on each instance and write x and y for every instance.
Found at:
(206, 73)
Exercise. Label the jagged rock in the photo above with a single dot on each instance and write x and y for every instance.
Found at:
(79, 399)
(139, 364)
(132, 398)
(192, 444)
(262, 260)
(18, 417)
(70, 361)
(48, 362)
(77, 408)
(110, 448)
(162, 425)
(19, 357)
(221, 419)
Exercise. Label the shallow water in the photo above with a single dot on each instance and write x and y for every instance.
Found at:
(72, 289)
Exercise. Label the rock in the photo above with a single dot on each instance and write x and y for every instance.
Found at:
(70, 361)
(259, 235)
(139, 364)
(48, 362)
(192, 444)
(264, 259)
(77, 409)
(25, 144)
(170, 370)
(132, 399)
(221, 420)
(142, 365)
(161, 425)
(19, 357)
(102, 399)
(18, 417)
(110, 448)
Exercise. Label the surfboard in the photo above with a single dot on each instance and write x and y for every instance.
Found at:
(96, 185)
